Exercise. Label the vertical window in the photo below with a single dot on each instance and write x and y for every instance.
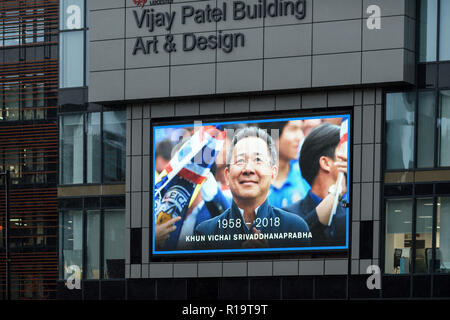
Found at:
(93, 244)
(114, 140)
(71, 59)
(428, 30)
(93, 148)
(444, 31)
(104, 136)
(71, 14)
(2, 93)
(40, 26)
(114, 244)
(444, 128)
(2, 223)
(72, 241)
(12, 101)
(400, 130)
(72, 42)
(398, 236)
(40, 101)
(424, 234)
(11, 28)
(442, 263)
(425, 129)
(28, 100)
(71, 149)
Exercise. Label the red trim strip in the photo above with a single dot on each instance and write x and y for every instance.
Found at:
(191, 176)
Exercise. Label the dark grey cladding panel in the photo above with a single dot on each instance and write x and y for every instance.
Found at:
(228, 47)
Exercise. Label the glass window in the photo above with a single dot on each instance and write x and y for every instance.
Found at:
(71, 59)
(12, 102)
(444, 31)
(12, 163)
(428, 30)
(400, 130)
(425, 127)
(93, 244)
(424, 234)
(93, 148)
(114, 244)
(2, 224)
(40, 101)
(398, 236)
(72, 241)
(444, 128)
(29, 27)
(71, 149)
(28, 112)
(442, 263)
(1, 43)
(114, 139)
(11, 28)
(40, 26)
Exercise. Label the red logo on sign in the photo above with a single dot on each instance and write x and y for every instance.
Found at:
(140, 3)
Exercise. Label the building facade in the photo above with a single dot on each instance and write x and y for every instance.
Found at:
(29, 147)
(127, 67)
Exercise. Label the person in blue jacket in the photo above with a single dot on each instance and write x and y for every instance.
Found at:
(321, 160)
(289, 185)
(252, 222)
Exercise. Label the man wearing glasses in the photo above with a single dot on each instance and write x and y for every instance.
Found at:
(252, 222)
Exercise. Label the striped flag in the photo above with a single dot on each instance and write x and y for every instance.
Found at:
(181, 180)
(344, 132)
(343, 138)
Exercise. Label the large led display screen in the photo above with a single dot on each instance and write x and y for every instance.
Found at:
(251, 186)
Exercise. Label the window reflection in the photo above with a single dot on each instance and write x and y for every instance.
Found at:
(71, 149)
(22, 27)
(400, 130)
(114, 140)
(114, 244)
(105, 147)
(428, 30)
(93, 148)
(71, 59)
(425, 127)
(113, 241)
(444, 129)
(398, 236)
(442, 252)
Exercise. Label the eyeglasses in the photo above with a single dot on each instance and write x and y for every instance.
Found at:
(257, 161)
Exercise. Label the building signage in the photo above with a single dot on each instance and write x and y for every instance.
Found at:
(154, 21)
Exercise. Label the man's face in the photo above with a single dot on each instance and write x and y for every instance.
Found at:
(160, 164)
(250, 172)
(290, 140)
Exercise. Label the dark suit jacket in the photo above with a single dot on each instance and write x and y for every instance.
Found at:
(334, 235)
(267, 219)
